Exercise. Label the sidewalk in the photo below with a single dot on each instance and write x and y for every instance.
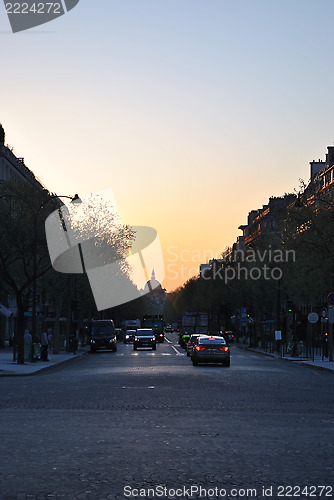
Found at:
(317, 363)
(9, 368)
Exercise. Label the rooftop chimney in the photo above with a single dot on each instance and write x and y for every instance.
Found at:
(2, 135)
(316, 166)
(330, 156)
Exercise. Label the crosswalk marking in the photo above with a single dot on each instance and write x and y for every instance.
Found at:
(150, 353)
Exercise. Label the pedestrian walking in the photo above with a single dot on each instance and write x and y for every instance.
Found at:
(44, 345)
(74, 341)
(27, 339)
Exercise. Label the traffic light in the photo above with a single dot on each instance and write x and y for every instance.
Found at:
(290, 306)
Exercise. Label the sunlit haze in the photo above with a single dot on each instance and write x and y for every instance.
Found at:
(192, 112)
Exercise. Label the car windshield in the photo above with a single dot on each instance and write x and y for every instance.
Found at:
(144, 333)
(103, 330)
(211, 341)
(193, 338)
(153, 322)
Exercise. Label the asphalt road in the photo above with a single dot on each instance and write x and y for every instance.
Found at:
(150, 425)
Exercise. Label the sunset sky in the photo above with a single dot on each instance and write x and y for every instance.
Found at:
(193, 112)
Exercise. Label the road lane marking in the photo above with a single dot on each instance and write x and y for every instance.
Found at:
(148, 353)
(139, 387)
(178, 353)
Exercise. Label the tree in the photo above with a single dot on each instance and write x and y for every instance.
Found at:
(23, 252)
(93, 240)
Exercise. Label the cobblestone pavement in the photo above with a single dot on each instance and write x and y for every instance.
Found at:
(111, 423)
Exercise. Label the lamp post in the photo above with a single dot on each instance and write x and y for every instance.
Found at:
(74, 199)
(33, 278)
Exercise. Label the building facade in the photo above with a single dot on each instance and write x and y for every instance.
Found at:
(13, 168)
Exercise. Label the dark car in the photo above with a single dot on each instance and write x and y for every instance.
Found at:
(168, 329)
(229, 337)
(144, 338)
(129, 336)
(183, 339)
(103, 335)
(210, 350)
(191, 342)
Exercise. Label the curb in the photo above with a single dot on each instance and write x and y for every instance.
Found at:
(296, 361)
(315, 367)
(45, 368)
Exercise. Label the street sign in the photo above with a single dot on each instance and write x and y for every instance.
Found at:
(278, 335)
(313, 317)
(331, 315)
(330, 298)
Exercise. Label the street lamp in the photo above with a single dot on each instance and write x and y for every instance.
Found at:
(75, 200)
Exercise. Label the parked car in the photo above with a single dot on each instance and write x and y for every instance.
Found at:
(129, 336)
(210, 350)
(144, 338)
(191, 342)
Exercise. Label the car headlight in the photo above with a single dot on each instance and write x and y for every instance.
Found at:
(136, 339)
(93, 341)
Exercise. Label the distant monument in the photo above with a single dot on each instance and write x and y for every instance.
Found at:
(154, 291)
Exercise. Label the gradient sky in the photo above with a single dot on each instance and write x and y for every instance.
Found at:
(193, 112)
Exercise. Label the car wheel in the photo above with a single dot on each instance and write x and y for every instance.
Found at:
(195, 363)
(92, 350)
(188, 353)
(154, 348)
(227, 363)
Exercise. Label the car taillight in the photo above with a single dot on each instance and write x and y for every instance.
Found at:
(198, 348)
(223, 348)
